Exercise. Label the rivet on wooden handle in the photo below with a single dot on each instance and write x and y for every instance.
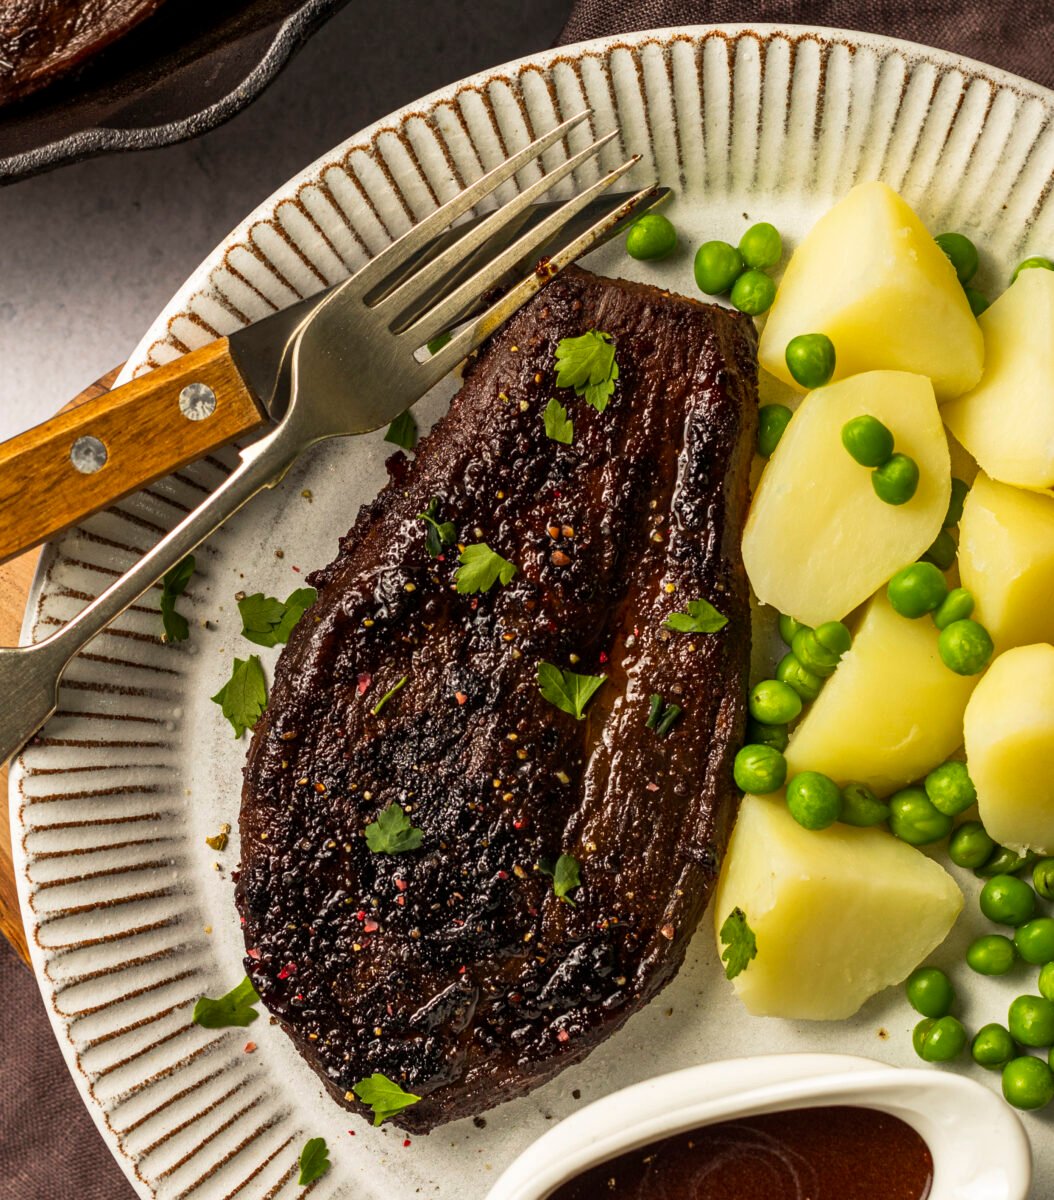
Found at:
(84, 459)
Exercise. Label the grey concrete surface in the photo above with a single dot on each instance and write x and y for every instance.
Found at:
(90, 253)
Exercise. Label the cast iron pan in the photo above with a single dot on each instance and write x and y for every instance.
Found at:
(190, 66)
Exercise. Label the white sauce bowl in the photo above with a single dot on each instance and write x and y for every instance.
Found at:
(979, 1147)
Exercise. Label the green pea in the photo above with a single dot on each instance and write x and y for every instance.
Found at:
(1028, 1083)
(914, 820)
(753, 293)
(759, 769)
(813, 655)
(1005, 862)
(956, 606)
(917, 590)
(869, 442)
(950, 788)
(1007, 900)
(651, 236)
(820, 650)
(918, 1034)
(944, 1040)
(761, 246)
(993, 1047)
(965, 647)
(977, 301)
(897, 480)
(1035, 940)
(717, 266)
(773, 420)
(789, 627)
(834, 636)
(943, 551)
(1043, 878)
(1031, 1021)
(992, 954)
(962, 252)
(861, 807)
(1030, 264)
(804, 682)
(810, 359)
(970, 846)
(1046, 981)
(930, 992)
(814, 801)
(774, 702)
(760, 734)
(960, 490)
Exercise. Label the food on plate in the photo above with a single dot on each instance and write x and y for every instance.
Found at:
(1007, 421)
(837, 915)
(810, 358)
(1009, 735)
(890, 713)
(1006, 560)
(869, 276)
(739, 272)
(41, 39)
(819, 541)
(651, 236)
(854, 1153)
(939, 1039)
(568, 830)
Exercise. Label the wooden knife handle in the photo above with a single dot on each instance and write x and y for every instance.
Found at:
(87, 457)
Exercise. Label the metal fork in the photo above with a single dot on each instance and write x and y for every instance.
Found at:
(362, 336)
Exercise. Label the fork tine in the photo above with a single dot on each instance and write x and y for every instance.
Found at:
(464, 342)
(422, 281)
(446, 312)
(415, 238)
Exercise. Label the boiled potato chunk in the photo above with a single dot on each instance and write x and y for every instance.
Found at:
(890, 713)
(871, 277)
(1009, 732)
(1007, 421)
(837, 915)
(1006, 558)
(818, 541)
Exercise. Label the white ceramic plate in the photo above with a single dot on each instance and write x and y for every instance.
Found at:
(130, 916)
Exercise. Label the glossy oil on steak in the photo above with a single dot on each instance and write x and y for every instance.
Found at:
(454, 969)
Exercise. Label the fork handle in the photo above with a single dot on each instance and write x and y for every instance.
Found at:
(85, 458)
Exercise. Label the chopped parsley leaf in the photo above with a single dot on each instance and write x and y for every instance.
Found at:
(384, 1097)
(235, 1008)
(393, 832)
(661, 716)
(701, 617)
(568, 691)
(587, 364)
(388, 695)
(565, 876)
(403, 431)
(174, 584)
(741, 946)
(314, 1161)
(244, 696)
(557, 424)
(437, 533)
(268, 621)
(481, 568)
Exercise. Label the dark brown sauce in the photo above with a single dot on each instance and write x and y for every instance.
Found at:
(804, 1154)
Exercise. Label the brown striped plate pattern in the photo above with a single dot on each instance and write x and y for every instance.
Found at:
(129, 914)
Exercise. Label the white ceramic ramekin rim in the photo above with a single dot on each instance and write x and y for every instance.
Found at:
(979, 1147)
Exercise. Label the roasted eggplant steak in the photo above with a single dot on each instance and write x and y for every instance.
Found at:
(41, 39)
(455, 969)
